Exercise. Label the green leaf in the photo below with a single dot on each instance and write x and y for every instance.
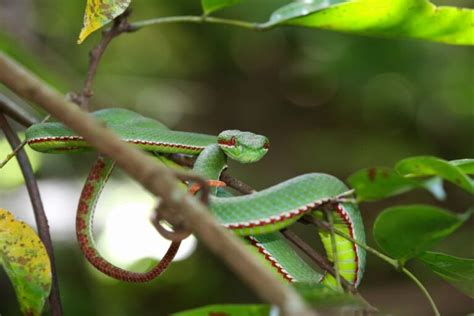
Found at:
(26, 263)
(227, 310)
(379, 182)
(428, 166)
(100, 12)
(417, 19)
(319, 295)
(210, 6)
(403, 232)
(299, 9)
(457, 271)
(465, 165)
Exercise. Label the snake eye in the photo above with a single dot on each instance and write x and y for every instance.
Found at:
(266, 145)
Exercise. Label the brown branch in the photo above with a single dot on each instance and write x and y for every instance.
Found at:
(316, 257)
(11, 109)
(159, 181)
(40, 215)
(231, 181)
(236, 184)
(120, 25)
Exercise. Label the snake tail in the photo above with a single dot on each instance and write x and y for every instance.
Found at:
(91, 191)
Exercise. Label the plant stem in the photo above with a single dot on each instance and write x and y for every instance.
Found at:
(393, 262)
(119, 26)
(334, 248)
(38, 210)
(11, 109)
(423, 289)
(198, 19)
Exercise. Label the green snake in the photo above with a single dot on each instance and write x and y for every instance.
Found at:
(258, 217)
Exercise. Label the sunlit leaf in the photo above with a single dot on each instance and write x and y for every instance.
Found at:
(457, 271)
(210, 6)
(227, 310)
(100, 12)
(10, 174)
(299, 9)
(322, 296)
(26, 262)
(403, 232)
(465, 165)
(428, 166)
(417, 19)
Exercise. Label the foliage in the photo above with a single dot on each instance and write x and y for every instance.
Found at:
(24, 258)
(417, 19)
(411, 173)
(99, 13)
(209, 6)
(457, 271)
(404, 232)
(228, 310)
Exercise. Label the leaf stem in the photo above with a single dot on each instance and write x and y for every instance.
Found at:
(332, 230)
(423, 289)
(198, 19)
(393, 262)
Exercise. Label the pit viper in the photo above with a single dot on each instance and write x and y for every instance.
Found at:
(258, 217)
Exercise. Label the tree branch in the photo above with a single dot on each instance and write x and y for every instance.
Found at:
(120, 25)
(11, 109)
(40, 216)
(159, 181)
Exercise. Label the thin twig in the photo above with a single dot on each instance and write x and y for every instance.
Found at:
(316, 257)
(40, 215)
(326, 226)
(328, 214)
(119, 26)
(200, 20)
(159, 181)
(14, 111)
(231, 181)
(19, 147)
(236, 183)
(324, 264)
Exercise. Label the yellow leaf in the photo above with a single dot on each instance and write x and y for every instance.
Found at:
(24, 258)
(100, 12)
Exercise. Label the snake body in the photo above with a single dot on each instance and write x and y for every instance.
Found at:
(257, 216)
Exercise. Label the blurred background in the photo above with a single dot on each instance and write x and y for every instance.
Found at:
(329, 102)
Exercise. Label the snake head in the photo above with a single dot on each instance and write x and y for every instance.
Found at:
(245, 147)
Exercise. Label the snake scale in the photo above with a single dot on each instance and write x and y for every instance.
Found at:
(258, 217)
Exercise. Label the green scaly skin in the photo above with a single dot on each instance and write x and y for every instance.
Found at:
(292, 199)
(258, 214)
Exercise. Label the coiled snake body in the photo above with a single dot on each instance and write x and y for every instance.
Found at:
(258, 216)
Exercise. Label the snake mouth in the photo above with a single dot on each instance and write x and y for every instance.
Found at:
(283, 216)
